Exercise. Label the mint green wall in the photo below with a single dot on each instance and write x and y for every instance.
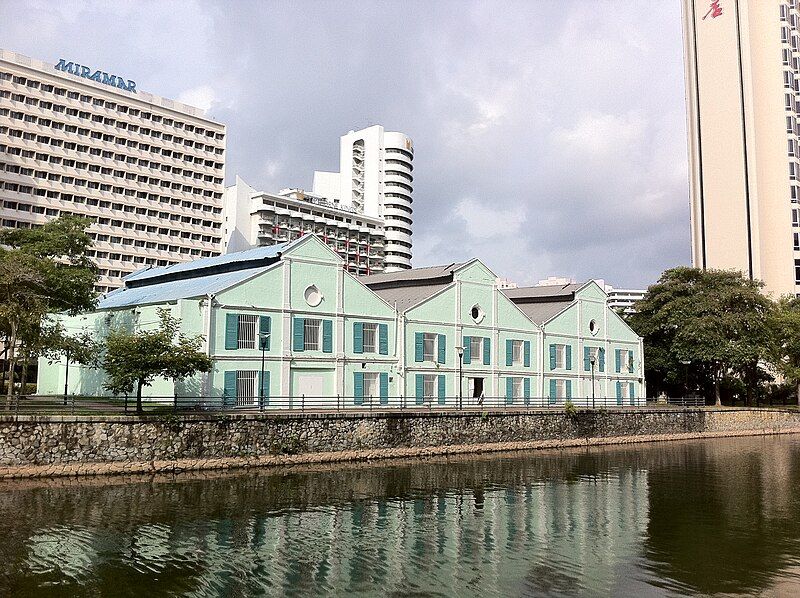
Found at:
(358, 299)
(510, 316)
(439, 308)
(264, 290)
(565, 322)
(475, 271)
(618, 329)
(475, 294)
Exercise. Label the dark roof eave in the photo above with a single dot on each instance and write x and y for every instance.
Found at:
(202, 272)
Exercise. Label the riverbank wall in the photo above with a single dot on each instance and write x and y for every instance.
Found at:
(43, 446)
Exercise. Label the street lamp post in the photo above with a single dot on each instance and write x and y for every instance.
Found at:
(460, 351)
(592, 361)
(262, 342)
(686, 363)
(66, 378)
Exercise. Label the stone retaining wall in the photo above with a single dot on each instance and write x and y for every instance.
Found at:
(76, 445)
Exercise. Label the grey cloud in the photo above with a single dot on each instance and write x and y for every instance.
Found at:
(493, 94)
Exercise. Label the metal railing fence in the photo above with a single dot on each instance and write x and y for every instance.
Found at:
(77, 404)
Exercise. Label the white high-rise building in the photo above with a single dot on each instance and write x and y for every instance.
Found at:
(375, 178)
(146, 170)
(255, 218)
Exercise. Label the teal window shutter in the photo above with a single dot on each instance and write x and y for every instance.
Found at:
(632, 392)
(587, 363)
(553, 391)
(509, 352)
(630, 362)
(619, 392)
(569, 357)
(264, 390)
(299, 334)
(526, 347)
(420, 389)
(358, 388)
(487, 350)
(231, 331)
(383, 339)
(526, 389)
(229, 389)
(384, 380)
(601, 358)
(264, 331)
(358, 337)
(442, 388)
(419, 347)
(568, 385)
(509, 390)
(552, 357)
(618, 354)
(442, 348)
(467, 349)
(327, 336)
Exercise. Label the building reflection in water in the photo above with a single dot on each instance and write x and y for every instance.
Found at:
(661, 518)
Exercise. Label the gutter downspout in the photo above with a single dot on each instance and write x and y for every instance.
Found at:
(208, 317)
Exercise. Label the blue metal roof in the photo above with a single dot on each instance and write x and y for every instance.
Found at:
(175, 289)
(250, 255)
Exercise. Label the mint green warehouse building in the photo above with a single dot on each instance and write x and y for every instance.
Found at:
(589, 350)
(402, 339)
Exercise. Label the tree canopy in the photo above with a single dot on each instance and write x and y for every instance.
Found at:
(42, 270)
(135, 359)
(713, 322)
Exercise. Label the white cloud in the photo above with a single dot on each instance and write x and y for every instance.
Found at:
(484, 222)
(202, 97)
(602, 135)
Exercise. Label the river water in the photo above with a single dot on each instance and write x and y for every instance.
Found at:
(676, 518)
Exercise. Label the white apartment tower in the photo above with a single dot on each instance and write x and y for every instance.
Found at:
(254, 218)
(375, 178)
(147, 171)
(743, 104)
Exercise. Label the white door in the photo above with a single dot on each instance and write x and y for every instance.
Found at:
(310, 386)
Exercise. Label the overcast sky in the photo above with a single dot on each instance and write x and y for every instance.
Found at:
(549, 136)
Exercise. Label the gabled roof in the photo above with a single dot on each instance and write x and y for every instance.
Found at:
(260, 256)
(404, 289)
(413, 276)
(173, 290)
(403, 298)
(543, 294)
(542, 303)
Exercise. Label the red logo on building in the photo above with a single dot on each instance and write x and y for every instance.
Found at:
(714, 11)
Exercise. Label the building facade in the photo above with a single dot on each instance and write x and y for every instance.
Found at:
(624, 300)
(428, 337)
(375, 178)
(146, 170)
(254, 219)
(742, 61)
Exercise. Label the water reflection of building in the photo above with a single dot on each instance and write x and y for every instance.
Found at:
(557, 535)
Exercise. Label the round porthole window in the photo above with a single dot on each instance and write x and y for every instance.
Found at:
(477, 314)
(593, 327)
(313, 296)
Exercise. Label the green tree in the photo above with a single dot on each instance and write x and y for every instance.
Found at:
(42, 270)
(134, 359)
(717, 320)
(785, 347)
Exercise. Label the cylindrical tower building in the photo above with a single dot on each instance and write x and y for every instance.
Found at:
(396, 199)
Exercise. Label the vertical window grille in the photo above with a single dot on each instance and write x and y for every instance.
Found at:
(248, 326)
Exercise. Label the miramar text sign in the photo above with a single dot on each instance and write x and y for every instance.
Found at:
(99, 76)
